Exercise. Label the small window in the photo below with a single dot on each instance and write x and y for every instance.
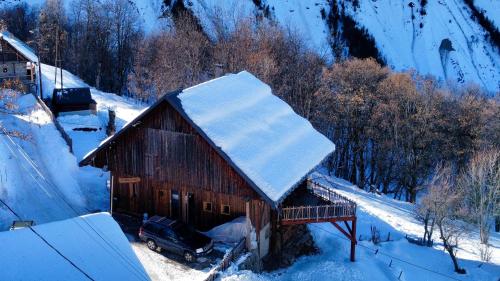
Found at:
(225, 210)
(207, 207)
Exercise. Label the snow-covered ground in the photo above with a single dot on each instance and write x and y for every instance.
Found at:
(159, 267)
(126, 109)
(389, 216)
(38, 174)
(94, 243)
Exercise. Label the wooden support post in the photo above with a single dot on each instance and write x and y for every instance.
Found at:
(353, 240)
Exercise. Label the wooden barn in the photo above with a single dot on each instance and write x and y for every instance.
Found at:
(17, 60)
(220, 150)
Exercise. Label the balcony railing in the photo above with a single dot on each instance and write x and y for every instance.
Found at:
(330, 206)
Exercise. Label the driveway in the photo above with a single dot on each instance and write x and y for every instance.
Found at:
(165, 265)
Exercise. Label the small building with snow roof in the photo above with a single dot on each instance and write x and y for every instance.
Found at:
(210, 153)
(17, 60)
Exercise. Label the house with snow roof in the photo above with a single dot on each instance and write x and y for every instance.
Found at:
(17, 60)
(220, 150)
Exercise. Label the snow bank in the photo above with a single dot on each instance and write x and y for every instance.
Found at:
(231, 232)
(25, 256)
(261, 133)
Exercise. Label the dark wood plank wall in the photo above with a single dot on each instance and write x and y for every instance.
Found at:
(9, 54)
(168, 154)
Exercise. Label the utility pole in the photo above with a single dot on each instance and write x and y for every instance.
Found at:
(37, 45)
(57, 51)
(39, 72)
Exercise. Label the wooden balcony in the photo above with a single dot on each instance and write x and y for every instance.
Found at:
(314, 203)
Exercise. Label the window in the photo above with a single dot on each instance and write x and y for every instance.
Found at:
(207, 207)
(225, 210)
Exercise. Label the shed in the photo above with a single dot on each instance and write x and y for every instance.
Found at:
(73, 100)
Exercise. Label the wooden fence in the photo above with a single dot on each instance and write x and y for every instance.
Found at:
(61, 130)
(226, 260)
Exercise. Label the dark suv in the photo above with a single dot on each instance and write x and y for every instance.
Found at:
(175, 236)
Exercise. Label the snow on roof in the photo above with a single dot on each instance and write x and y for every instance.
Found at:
(19, 45)
(261, 134)
(25, 256)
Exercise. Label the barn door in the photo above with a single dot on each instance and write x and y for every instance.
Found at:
(189, 209)
(134, 197)
(175, 203)
(162, 198)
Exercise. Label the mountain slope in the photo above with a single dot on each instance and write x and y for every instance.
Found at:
(443, 41)
(443, 38)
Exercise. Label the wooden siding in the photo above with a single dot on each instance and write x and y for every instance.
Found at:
(168, 155)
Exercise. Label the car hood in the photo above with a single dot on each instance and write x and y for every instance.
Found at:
(197, 240)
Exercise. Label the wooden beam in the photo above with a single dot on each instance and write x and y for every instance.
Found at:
(353, 241)
(342, 230)
(348, 227)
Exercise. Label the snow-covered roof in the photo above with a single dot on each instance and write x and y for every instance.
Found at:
(19, 45)
(260, 133)
(25, 256)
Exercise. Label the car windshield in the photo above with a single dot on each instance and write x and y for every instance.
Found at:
(182, 230)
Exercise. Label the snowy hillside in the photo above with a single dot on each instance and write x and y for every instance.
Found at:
(302, 17)
(39, 174)
(442, 39)
(444, 42)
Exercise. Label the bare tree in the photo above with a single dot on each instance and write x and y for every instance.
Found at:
(480, 183)
(443, 202)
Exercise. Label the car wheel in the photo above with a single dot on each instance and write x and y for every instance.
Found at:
(188, 257)
(152, 245)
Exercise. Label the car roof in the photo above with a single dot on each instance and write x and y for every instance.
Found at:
(161, 220)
